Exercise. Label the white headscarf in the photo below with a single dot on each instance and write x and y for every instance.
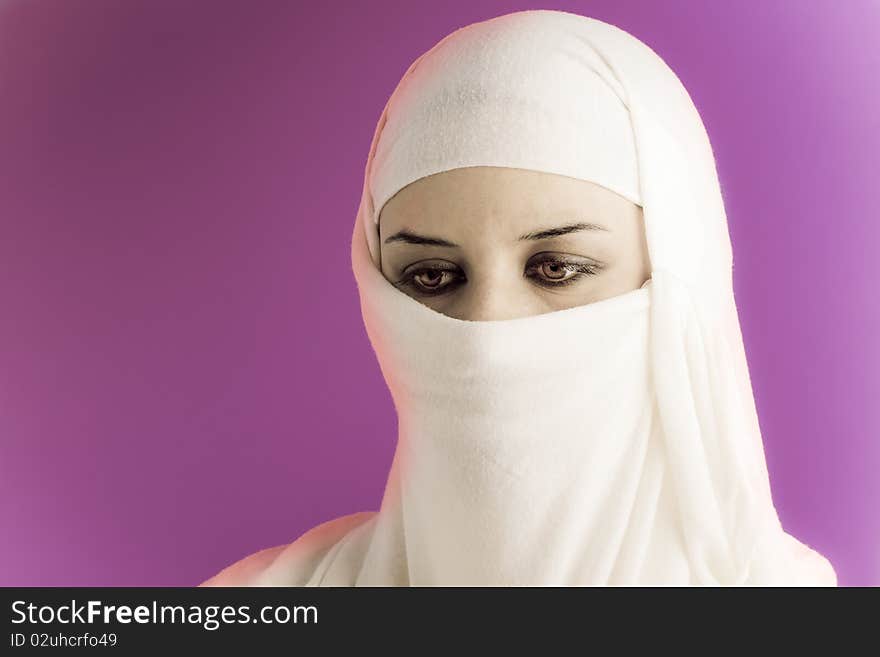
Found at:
(611, 443)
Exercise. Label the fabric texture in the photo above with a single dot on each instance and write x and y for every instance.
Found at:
(615, 443)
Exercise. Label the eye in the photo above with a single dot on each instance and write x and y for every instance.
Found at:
(557, 272)
(431, 280)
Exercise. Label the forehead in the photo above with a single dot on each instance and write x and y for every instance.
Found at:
(479, 199)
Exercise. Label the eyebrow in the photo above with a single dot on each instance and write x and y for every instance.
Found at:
(409, 237)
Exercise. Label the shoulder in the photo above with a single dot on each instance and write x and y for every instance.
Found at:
(792, 563)
(302, 555)
(816, 567)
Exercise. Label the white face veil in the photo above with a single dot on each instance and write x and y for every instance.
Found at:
(611, 443)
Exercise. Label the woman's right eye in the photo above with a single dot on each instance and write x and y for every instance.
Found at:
(430, 280)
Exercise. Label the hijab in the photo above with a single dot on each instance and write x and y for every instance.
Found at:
(612, 443)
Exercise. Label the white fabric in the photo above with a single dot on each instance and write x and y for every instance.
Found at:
(483, 98)
(612, 443)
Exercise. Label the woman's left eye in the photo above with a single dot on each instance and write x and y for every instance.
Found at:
(556, 273)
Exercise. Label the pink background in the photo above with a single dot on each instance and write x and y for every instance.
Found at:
(184, 375)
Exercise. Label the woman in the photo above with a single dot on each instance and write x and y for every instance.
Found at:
(545, 275)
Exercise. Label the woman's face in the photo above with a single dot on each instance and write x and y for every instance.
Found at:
(489, 243)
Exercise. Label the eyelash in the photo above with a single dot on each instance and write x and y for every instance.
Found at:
(580, 270)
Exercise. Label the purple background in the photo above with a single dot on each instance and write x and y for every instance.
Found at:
(184, 374)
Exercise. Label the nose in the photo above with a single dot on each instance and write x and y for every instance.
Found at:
(491, 299)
